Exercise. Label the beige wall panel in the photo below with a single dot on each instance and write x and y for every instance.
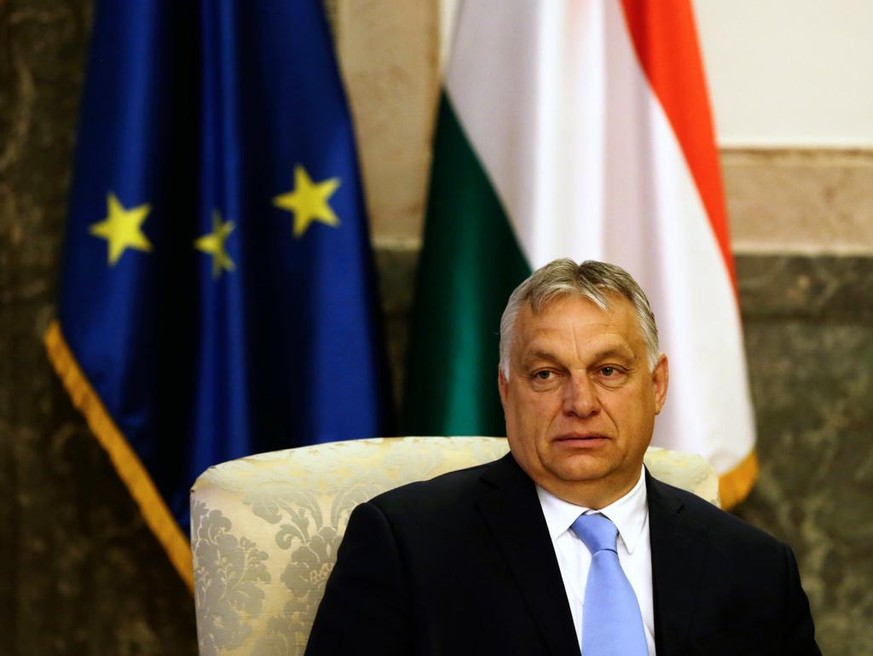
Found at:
(789, 73)
(800, 201)
(389, 54)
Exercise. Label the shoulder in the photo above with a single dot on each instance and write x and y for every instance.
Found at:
(749, 581)
(668, 503)
(444, 515)
(446, 491)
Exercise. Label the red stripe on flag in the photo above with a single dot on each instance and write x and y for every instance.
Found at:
(665, 40)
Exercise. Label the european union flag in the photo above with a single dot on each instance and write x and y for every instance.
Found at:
(218, 293)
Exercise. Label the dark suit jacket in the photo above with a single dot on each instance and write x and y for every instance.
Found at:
(463, 564)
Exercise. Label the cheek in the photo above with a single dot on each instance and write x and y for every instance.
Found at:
(635, 417)
(516, 424)
(530, 412)
(525, 450)
(516, 418)
(525, 409)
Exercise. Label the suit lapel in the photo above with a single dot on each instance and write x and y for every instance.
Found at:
(511, 508)
(679, 547)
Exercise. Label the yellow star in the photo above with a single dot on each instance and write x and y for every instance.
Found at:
(308, 201)
(122, 228)
(213, 243)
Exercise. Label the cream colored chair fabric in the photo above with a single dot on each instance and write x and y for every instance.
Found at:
(265, 529)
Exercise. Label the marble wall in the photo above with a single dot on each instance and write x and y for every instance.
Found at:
(809, 338)
(79, 571)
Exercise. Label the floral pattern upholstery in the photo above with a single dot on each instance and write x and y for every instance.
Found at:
(265, 529)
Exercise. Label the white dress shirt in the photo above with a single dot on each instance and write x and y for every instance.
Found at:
(630, 514)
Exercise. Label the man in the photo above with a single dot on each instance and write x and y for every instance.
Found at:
(496, 559)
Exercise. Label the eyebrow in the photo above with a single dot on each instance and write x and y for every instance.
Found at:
(622, 352)
(617, 351)
(539, 355)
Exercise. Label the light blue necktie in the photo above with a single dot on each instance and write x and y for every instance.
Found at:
(611, 621)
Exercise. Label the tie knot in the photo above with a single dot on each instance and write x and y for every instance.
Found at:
(596, 531)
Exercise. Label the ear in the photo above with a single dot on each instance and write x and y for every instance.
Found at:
(660, 382)
(502, 387)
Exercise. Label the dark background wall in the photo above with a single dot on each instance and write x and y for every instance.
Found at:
(81, 574)
(79, 571)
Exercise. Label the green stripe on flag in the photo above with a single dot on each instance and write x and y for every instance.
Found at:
(470, 263)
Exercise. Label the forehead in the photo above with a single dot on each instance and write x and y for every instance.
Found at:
(580, 320)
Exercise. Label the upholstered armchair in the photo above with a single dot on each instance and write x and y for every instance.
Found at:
(265, 529)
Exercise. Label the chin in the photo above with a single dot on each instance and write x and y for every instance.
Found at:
(580, 471)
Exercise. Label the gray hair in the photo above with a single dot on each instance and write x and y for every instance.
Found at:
(595, 281)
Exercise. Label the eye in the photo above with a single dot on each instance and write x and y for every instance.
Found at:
(611, 375)
(544, 379)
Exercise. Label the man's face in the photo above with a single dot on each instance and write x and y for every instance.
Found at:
(580, 401)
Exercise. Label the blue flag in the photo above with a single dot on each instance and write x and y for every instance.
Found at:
(217, 293)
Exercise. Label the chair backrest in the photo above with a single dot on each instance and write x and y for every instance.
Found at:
(265, 529)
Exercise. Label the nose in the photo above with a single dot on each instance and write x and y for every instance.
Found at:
(580, 397)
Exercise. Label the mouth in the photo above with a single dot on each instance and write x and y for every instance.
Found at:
(580, 441)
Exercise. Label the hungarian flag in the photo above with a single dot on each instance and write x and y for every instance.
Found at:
(581, 129)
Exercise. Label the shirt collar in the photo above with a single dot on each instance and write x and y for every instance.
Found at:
(628, 513)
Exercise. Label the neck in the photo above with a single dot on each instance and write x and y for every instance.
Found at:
(595, 495)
